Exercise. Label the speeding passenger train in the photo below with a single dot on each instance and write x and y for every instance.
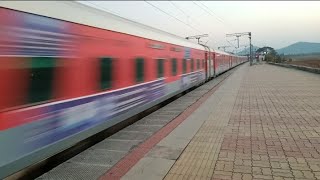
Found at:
(68, 71)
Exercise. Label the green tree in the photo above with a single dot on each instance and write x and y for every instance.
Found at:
(272, 55)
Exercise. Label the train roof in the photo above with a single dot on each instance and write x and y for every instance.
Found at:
(83, 14)
(221, 52)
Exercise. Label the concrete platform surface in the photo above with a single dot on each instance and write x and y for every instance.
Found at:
(263, 122)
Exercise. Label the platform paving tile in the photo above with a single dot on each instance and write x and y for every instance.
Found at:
(116, 145)
(199, 157)
(153, 121)
(98, 157)
(266, 125)
(130, 135)
(164, 152)
(153, 168)
(143, 128)
(75, 171)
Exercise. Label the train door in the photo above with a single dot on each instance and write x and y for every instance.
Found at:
(214, 64)
(211, 66)
(223, 61)
(217, 63)
(207, 63)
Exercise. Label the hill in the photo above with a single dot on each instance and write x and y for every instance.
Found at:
(300, 48)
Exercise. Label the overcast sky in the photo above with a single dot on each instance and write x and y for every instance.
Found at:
(273, 23)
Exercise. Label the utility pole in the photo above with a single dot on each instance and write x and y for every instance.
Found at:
(197, 37)
(250, 49)
(238, 39)
(207, 55)
(243, 34)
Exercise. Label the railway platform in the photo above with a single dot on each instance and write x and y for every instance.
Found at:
(254, 122)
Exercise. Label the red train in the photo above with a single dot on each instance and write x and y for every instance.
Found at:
(69, 71)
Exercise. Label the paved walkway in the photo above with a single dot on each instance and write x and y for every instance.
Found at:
(262, 123)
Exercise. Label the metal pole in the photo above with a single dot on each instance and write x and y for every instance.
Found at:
(250, 56)
(238, 40)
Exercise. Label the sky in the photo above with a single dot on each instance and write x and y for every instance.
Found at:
(272, 23)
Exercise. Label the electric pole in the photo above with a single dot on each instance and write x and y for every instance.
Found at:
(243, 34)
(238, 39)
(250, 56)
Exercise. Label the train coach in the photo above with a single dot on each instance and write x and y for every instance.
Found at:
(69, 71)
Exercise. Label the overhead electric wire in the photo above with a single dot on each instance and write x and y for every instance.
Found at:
(179, 9)
(225, 23)
(100, 7)
(231, 43)
(212, 14)
(208, 12)
(175, 18)
(107, 10)
(211, 11)
(188, 16)
(172, 16)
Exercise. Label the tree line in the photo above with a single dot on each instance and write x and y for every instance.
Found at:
(271, 55)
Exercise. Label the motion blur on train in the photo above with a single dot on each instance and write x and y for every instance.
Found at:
(69, 71)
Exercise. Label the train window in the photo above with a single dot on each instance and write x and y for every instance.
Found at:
(174, 67)
(105, 73)
(184, 64)
(198, 64)
(192, 64)
(160, 68)
(139, 70)
(41, 78)
(203, 63)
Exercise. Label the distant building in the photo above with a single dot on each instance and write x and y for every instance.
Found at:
(262, 52)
